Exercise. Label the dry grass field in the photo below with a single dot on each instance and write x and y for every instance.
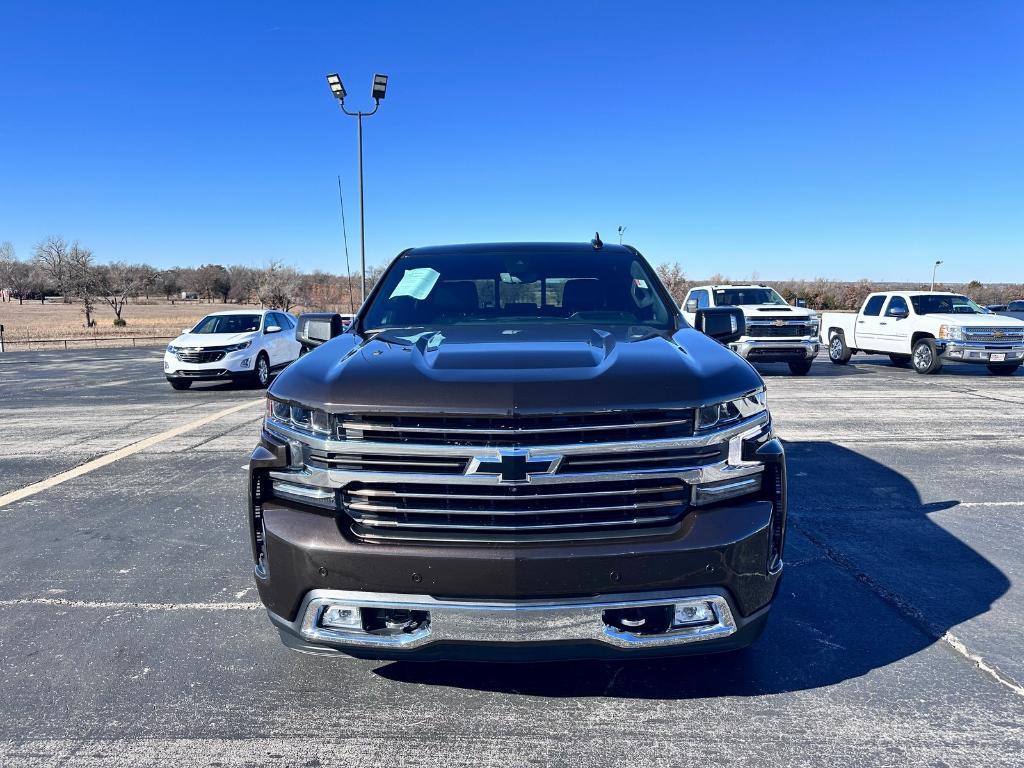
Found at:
(27, 326)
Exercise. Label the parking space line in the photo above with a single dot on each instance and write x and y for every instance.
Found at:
(61, 602)
(128, 450)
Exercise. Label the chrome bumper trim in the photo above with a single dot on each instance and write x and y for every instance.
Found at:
(527, 621)
(810, 346)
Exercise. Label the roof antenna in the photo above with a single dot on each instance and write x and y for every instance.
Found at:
(596, 242)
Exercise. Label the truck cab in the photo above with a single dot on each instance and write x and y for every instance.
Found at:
(926, 329)
(518, 451)
(776, 331)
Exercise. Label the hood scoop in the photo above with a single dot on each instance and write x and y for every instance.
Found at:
(583, 348)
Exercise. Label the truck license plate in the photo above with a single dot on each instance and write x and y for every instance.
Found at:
(997, 357)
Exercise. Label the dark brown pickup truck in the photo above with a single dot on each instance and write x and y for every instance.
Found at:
(518, 451)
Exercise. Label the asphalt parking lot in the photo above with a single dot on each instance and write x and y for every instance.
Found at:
(130, 632)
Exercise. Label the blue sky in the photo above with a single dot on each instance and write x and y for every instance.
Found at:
(847, 140)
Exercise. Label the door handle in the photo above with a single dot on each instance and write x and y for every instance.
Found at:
(883, 323)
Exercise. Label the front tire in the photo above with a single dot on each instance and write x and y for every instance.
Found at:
(178, 384)
(1003, 370)
(926, 358)
(838, 352)
(261, 371)
(900, 361)
(800, 367)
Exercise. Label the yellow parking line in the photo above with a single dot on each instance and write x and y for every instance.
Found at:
(128, 450)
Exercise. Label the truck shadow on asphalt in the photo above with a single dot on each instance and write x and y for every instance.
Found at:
(870, 579)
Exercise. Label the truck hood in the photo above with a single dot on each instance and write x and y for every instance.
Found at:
(500, 370)
(976, 321)
(212, 339)
(775, 310)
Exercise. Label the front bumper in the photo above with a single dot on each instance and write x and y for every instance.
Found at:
(966, 352)
(528, 630)
(232, 366)
(776, 350)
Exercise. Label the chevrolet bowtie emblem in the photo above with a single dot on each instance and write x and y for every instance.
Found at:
(997, 334)
(780, 322)
(513, 465)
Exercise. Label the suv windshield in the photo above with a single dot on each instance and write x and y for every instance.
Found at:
(426, 290)
(736, 297)
(945, 304)
(228, 324)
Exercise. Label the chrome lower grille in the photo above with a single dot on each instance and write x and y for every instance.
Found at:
(383, 510)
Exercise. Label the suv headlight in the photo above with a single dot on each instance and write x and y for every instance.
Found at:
(951, 332)
(728, 412)
(311, 420)
(240, 345)
(172, 349)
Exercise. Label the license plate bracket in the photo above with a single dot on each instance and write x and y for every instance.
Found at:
(997, 357)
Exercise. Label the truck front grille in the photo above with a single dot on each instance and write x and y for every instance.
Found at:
(756, 330)
(1008, 336)
(200, 355)
(400, 510)
(558, 429)
(380, 462)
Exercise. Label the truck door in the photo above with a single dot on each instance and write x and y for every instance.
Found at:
(869, 328)
(696, 299)
(894, 327)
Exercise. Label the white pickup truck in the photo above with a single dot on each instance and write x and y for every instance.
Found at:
(925, 329)
(776, 332)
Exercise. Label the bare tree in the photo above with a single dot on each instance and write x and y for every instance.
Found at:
(277, 286)
(82, 280)
(7, 261)
(53, 256)
(115, 283)
(674, 279)
(213, 280)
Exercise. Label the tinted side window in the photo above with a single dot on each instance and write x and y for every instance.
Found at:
(702, 299)
(289, 323)
(896, 303)
(874, 306)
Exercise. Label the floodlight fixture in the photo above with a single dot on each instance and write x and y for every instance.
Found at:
(337, 88)
(380, 85)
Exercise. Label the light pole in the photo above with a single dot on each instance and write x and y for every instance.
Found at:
(380, 85)
(933, 273)
(621, 230)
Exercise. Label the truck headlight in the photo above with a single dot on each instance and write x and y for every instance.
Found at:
(312, 420)
(238, 346)
(951, 332)
(728, 412)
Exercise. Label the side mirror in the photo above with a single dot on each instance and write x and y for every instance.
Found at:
(723, 324)
(899, 313)
(186, 330)
(273, 329)
(315, 328)
(802, 303)
(691, 306)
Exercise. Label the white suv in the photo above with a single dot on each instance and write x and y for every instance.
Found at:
(245, 344)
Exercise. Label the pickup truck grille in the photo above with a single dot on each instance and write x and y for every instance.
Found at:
(761, 330)
(510, 431)
(1012, 335)
(200, 356)
(475, 513)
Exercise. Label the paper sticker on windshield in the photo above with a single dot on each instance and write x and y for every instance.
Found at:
(641, 283)
(417, 283)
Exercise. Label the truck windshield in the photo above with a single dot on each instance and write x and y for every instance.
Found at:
(228, 324)
(944, 304)
(427, 290)
(737, 297)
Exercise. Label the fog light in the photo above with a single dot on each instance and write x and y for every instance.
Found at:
(245, 363)
(341, 617)
(693, 614)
